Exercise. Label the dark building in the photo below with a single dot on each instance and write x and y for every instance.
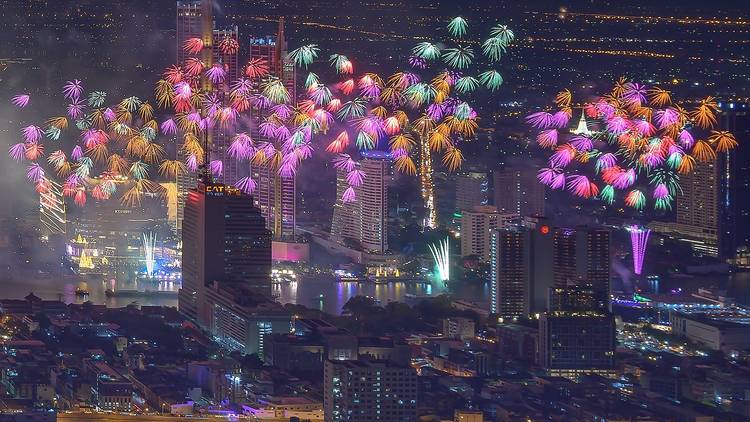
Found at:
(520, 270)
(369, 391)
(734, 179)
(518, 192)
(224, 240)
(576, 343)
(581, 256)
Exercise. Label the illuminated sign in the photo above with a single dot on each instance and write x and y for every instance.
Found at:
(219, 190)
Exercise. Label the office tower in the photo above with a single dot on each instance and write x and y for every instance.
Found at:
(520, 270)
(189, 25)
(363, 390)
(581, 256)
(52, 212)
(734, 171)
(476, 225)
(576, 343)
(518, 192)
(366, 219)
(195, 20)
(698, 207)
(471, 190)
(373, 200)
(276, 196)
(224, 240)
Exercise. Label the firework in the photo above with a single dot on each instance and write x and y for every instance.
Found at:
(441, 255)
(632, 150)
(149, 243)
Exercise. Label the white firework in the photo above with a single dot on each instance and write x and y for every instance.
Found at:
(441, 254)
(149, 242)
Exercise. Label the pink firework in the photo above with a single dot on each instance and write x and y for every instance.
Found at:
(75, 109)
(339, 144)
(539, 120)
(216, 167)
(552, 178)
(193, 66)
(355, 178)
(169, 127)
(547, 138)
(77, 153)
(109, 115)
(563, 155)
(347, 86)
(246, 185)
(191, 162)
(661, 191)
(686, 139)
(560, 119)
(582, 143)
(344, 162)
(635, 93)
(17, 151)
(349, 195)
(72, 90)
(21, 100)
(417, 62)
(216, 74)
(31, 133)
(667, 117)
(256, 68)
(34, 173)
(240, 148)
(229, 46)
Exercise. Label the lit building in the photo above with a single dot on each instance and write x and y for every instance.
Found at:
(241, 321)
(520, 270)
(518, 192)
(471, 190)
(195, 20)
(468, 416)
(581, 256)
(224, 240)
(476, 225)
(365, 220)
(369, 391)
(698, 208)
(274, 195)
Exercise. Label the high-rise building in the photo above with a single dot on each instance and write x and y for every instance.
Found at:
(365, 220)
(276, 196)
(581, 256)
(577, 343)
(361, 390)
(698, 207)
(518, 192)
(520, 270)
(224, 240)
(734, 178)
(476, 225)
(195, 20)
(471, 190)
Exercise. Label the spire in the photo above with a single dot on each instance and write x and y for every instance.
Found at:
(280, 41)
(583, 128)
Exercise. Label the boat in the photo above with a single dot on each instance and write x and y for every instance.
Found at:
(81, 292)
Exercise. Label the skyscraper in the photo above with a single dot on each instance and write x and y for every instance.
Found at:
(276, 196)
(520, 270)
(224, 240)
(581, 256)
(734, 171)
(698, 207)
(476, 225)
(361, 390)
(195, 20)
(471, 190)
(518, 192)
(365, 220)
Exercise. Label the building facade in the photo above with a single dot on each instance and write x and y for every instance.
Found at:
(518, 192)
(476, 225)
